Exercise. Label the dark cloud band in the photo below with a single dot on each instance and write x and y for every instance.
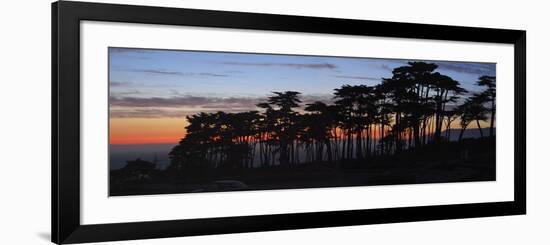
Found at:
(359, 78)
(479, 69)
(178, 73)
(185, 101)
(157, 107)
(290, 65)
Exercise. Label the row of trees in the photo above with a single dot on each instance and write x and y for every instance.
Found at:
(414, 107)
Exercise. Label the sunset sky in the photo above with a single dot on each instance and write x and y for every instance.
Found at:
(151, 91)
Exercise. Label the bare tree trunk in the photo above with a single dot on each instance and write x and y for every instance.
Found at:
(416, 132)
(410, 137)
(329, 150)
(253, 155)
(382, 138)
(358, 139)
(461, 133)
(350, 145)
(344, 146)
(479, 127)
(399, 140)
(493, 111)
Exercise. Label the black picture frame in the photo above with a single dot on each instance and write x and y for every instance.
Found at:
(66, 17)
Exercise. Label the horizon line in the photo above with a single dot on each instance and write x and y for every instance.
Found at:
(177, 142)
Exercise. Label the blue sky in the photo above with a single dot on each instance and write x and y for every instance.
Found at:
(145, 82)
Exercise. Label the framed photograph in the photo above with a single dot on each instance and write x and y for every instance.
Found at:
(176, 122)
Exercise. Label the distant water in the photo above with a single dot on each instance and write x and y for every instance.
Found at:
(119, 154)
(468, 133)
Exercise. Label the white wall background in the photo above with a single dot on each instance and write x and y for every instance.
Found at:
(25, 121)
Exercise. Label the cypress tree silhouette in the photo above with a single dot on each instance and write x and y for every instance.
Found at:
(489, 95)
(407, 111)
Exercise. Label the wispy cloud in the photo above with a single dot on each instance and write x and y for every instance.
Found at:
(164, 112)
(184, 101)
(208, 74)
(159, 72)
(176, 107)
(178, 73)
(119, 84)
(234, 72)
(148, 113)
(358, 77)
(181, 106)
(289, 65)
(126, 92)
(386, 67)
(470, 68)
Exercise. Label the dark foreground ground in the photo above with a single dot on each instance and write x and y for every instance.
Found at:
(469, 160)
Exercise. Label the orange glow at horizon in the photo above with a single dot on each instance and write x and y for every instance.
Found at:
(171, 130)
(146, 130)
